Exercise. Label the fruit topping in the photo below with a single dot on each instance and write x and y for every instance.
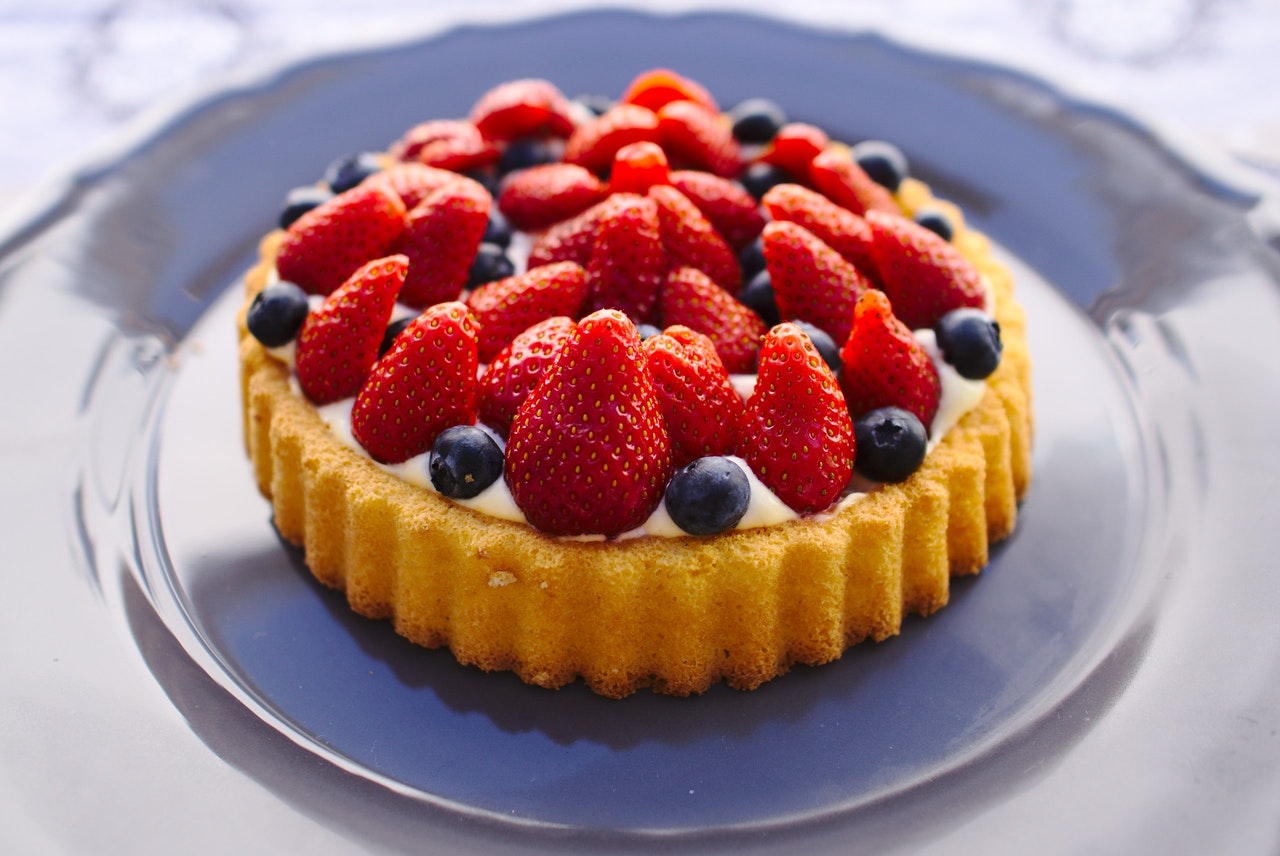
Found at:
(884, 162)
(519, 108)
(691, 241)
(701, 409)
(691, 299)
(659, 87)
(464, 462)
(276, 314)
(924, 276)
(842, 181)
(441, 240)
(884, 365)
(300, 200)
(708, 496)
(757, 295)
(756, 120)
(538, 197)
(594, 143)
(695, 136)
(338, 343)
(970, 341)
(733, 211)
(836, 226)
(490, 264)
(529, 151)
(413, 182)
(757, 178)
(797, 436)
(827, 347)
(497, 230)
(448, 144)
(811, 281)
(935, 221)
(627, 258)
(324, 246)
(394, 329)
(637, 167)
(588, 451)
(517, 368)
(423, 385)
(891, 444)
(751, 259)
(348, 171)
(507, 307)
(794, 147)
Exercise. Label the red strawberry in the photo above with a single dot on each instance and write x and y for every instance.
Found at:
(797, 436)
(516, 370)
(588, 451)
(637, 167)
(441, 240)
(701, 408)
(837, 227)
(924, 275)
(325, 245)
(446, 143)
(732, 211)
(841, 180)
(570, 240)
(691, 299)
(884, 365)
(657, 88)
(594, 143)
(339, 341)
(413, 181)
(519, 108)
(537, 197)
(691, 241)
(627, 259)
(696, 136)
(794, 147)
(423, 385)
(509, 306)
(811, 282)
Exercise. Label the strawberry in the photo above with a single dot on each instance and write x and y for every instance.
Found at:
(324, 246)
(446, 143)
(691, 241)
(423, 385)
(412, 181)
(797, 436)
(507, 307)
(593, 144)
(570, 240)
(516, 370)
(519, 108)
(701, 409)
(841, 180)
(656, 88)
(837, 227)
(339, 341)
(726, 204)
(884, 365)
(627, 259)
(696, 136)
(925, 276)
(588, 452)
(441, 240)
(535, 198)
(811, 282)
(794, 147)
(637, 167)
(691, 299)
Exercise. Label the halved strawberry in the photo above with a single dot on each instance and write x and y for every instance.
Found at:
(517, 369)
(540, 196)
(522, 107)
(837, 227)
(797, 436)
(726, 204)
(446, 143)
(695, 136)
(838, 177)
(423, 385)
(794, 147)
(628, 261)
(325, 245)
(338, 343)
(811, 281)
(412, 181)
(570, 240)
(637, 167)
(691, 299)
(883, 364)
(691, 241)
(441, 240)
(925, 276)
(702, 409)
(660, 86)
(588, 450)
(593, 144)
(509, 306)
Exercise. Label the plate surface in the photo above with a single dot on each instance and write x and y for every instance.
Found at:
(1118, 652)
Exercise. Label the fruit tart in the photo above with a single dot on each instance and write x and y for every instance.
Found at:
(644, 392)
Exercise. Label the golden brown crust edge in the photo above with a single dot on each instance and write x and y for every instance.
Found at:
(673, 614)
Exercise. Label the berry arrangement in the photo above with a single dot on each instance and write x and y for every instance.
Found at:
(670, 245)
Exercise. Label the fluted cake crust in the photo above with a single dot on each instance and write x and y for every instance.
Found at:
(675, 614)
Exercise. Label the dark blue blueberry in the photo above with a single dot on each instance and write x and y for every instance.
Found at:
(751, 259)
(491, 264)
(526, 152)
(597, 104)
(277, 313)
(300, 200)
(757, 120)
(935, 221)
(970, 341)
(827, 347)
(647, 331)
(497, 230)
(464, 461)
(395, 328)
(757, 295)
(708, 496)
(759, 177)
(884, 162)
(348, 171)
(889, 443)
(487, 178)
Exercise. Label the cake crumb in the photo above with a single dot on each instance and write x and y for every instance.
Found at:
(501, 578)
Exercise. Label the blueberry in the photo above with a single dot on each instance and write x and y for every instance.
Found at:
(935, 221)
(348, 171)
(395, 328)
(491, 264)
(884, 162)
(277, 313)
(597, 104)
(757, 295)
(300, 200)
(526, 152)
(487, 178)
(647, 331)
(708, 496)
(751, 259)
(464, 461)
(827, 347)
(757, 120)
(890, 444)
(970, 340)
(759, 177)
(497, 230)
